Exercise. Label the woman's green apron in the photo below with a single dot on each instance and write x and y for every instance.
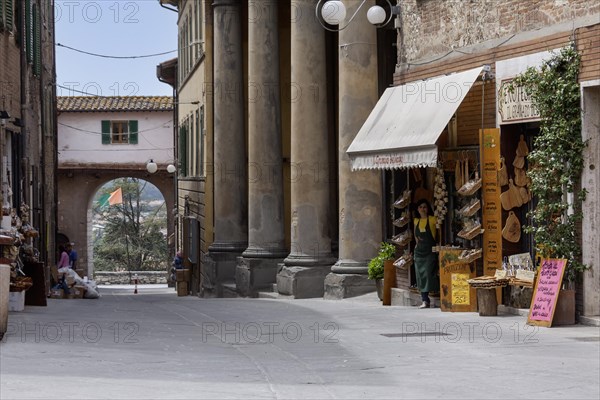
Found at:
(426, 265)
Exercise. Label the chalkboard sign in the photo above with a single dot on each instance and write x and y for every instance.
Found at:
(545, 293)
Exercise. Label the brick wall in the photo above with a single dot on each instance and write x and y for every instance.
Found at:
(10, 84)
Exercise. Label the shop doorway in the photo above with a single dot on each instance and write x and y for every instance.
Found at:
(513, 136)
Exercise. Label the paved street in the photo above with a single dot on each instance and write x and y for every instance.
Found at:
(155, 345)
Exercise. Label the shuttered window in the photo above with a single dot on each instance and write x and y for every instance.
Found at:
(6, 15)
(105, 132)
(28, 32)
(133, 132)
(37, 42)
(201, 142)
(182, 153)
(119, 132)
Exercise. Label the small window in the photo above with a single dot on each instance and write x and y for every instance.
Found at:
(119, 132)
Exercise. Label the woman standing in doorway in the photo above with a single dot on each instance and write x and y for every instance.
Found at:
(425, 259)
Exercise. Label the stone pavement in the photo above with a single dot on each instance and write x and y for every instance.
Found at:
(155, 345)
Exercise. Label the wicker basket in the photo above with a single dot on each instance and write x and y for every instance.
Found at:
(470, 209)
(470, 187)
(470, 233)
(404, 262)
(403, 239)
(471, 256)
(403, 200)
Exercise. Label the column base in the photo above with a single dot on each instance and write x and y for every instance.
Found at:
(302, 282)
(218, 269)
(350, 267)
(254, 274)
(343, 286)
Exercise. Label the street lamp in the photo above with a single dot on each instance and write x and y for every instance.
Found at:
(151, 166)
(333, 12)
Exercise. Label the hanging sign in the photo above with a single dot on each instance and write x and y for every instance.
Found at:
(545, 293)
(515, 106)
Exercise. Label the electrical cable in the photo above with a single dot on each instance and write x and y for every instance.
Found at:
(99, 133)
(114, 57)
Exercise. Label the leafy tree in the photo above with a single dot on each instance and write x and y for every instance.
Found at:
(132, 238)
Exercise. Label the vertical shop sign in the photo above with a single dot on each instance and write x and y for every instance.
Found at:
(489, 140)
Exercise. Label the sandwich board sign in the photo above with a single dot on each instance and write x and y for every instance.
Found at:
(545, 292)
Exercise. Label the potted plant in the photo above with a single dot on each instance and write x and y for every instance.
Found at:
(387, 252)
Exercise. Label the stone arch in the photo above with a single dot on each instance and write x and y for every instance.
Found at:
(76, 190)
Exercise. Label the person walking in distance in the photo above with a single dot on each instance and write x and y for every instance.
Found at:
(72, 254)
(63, 261)
(424, 257)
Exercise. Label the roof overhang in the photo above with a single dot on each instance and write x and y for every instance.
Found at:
(405, 124)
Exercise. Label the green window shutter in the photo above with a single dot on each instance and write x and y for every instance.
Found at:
(28, 34)
(2, 14)
(37, 42)
(133, 132)
(105, 132)
(8, 15)
(182, 151)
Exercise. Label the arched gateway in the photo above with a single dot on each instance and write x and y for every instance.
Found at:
(105, 138)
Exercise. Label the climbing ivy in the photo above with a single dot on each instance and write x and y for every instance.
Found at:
(556, 161)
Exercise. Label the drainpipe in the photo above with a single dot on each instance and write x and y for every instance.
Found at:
(21, 190)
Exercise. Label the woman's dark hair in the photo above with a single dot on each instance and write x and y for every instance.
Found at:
(61, 248)
(423, 201)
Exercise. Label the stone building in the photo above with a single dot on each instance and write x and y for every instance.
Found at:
(284, 96)
(105, 138)
(27, 117)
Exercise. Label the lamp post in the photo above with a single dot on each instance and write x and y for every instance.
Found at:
(333, 12)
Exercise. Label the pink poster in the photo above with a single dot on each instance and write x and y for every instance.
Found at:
(546, 293)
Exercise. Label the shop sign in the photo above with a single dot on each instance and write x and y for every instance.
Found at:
(545, 293)
(491, 208)
(515, 106)
(455, 292)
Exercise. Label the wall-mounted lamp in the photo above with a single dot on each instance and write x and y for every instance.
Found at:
(333, 12)
(171, 168)
(151, 166)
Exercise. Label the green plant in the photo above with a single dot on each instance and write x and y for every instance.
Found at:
(387, 251)
(556, 161)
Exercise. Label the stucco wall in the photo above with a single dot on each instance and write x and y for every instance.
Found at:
(84, 144)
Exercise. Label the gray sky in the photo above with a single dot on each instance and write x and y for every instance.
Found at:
(113, 28)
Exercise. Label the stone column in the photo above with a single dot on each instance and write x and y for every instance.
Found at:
(230, 181)
(360, 192)
(266, 238)
(590, 179)
(310, 259)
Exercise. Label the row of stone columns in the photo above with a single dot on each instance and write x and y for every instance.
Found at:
(260, 239)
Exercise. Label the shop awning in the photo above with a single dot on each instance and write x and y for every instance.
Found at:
(403, 128)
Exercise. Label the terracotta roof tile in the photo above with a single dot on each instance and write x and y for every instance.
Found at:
(116, 103)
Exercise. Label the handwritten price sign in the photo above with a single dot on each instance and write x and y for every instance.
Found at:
(546, 291)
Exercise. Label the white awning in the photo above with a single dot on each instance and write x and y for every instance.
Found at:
(403, 128)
